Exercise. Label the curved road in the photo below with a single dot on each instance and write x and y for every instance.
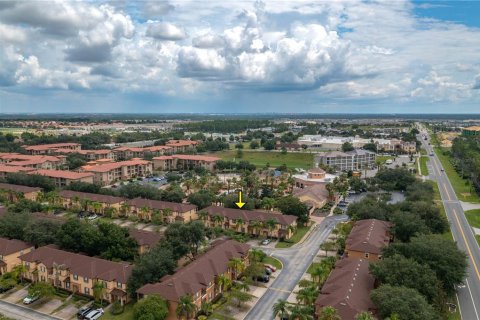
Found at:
(296, 261)
(469, 294)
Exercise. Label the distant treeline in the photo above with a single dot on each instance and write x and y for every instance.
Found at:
(224, 126)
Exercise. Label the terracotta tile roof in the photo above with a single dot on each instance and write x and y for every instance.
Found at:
(26, 157)
(62, 174)
(8, 169)
(157, 148)
(348, 288)
(84, 152)
(131, 149)
(188, 157)
(178, 143)
(83, 266)
(50, 146)
(9, 246)
(114, 165)
(250, 215)
(19, 188)
(143, 237)
(369, 236)
(317, 192)
(199, 273)
(161, 205)
(69, 194)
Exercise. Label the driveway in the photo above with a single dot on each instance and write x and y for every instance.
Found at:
(16, 296)
(21, 313)
(66, 313)
(47, 306)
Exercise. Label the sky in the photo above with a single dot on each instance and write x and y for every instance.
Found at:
(302, 56)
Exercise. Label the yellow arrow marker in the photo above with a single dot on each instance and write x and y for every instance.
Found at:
(240, 203)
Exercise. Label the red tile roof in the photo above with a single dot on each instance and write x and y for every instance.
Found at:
(50, 146)
(161, 205)
(143, 237)
(369, 236)
(83, 266)
(19, 188)
(178, 143)
(9, 246)
(188, 157)
(199, 273)
(249, 215)
(12, 169)
(62, 174)
(115, 165)
(69, 194)
(348, 288)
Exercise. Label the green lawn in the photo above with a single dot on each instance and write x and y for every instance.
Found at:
(275, 159)
(473, 217)
(382, 159)
(274, 262)
(478, 238)
(436, 197)
(423, 165)
(297, 236)
(460, 185)
(423, 152)
(126, 315)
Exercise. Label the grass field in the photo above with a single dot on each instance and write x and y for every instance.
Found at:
(274, 262)
(382, 159)
(473, 217)
(126, 315)
(297, 236)
(460, 185)
(275, 159)
(423, 165)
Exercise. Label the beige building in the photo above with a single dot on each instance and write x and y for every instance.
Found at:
(367, 239)
(124, 153)
(77, 273)
(179, 146)
(10, 251)
(14, 192)
(109, 173)
(314, 196)
(145, 239)
(184, 162)
(170, 212)
(63, 178)
(50, 148)
(199, 278)
(98, 203)
(32, 162)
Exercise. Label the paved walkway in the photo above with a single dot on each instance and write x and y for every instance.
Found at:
(469, 206)
(22, 313)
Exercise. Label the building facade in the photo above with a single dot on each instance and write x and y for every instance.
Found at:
(109, 173)
(355, 160)
(184, 162)
(10, 251)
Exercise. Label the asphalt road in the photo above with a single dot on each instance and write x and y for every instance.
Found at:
(22, 313)
(296, 261)
(469, 293)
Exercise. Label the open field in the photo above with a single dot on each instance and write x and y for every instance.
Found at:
(461, 186)
(275, 159)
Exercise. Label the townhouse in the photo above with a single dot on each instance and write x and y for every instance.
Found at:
(10, 251)
(109, 173)
(258, 223)
(199, 278)
(347, 161)
(77, 273)
(62, 178)
(367, 239)
(14, 192)
(180, 146)
(184, 162)
(168, 212)
(347, 289)
(50, 148)
(145, 239)
(98, 203)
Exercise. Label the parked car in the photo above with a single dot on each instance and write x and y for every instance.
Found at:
(31, 298)
(5, 288)
(263, 278)
(268, 271)
(83, 214)
(266, 242)
(83, 312)
(269, 266)
(94, 314)
(92, 217)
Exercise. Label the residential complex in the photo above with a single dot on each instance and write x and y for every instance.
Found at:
(169, 212)
(77, 273)
(145, 239)
(50, 148)
(10, 251)
(258, 223)
(14, 192)
(199, 278)
(62, 178)
(109, 173)
(32, 161)
(93, 202)
(184, 162)
(355, 160)
(180, 146)
(367, 239)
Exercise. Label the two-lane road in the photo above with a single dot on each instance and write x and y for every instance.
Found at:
(469, 294)
(296, 261)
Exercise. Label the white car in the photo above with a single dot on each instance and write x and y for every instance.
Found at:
(92, 217)
(94, 315)
(31, 298)
(266, 242)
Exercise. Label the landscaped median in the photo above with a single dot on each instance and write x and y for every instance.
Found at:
(423, 165)
(297, 236)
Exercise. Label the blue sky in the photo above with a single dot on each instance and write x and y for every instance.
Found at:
(240, 56)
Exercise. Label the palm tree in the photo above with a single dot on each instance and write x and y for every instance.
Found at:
(185, 307)
(96, 206)
(145, 212)
(203, 215)
(98, 291)
(256, 255)
(242, 286)
(280, 307)
(167, 212)
(271, 224)
(255, 224)
(18, 271)
(206, 308)
(223, 282)
(364, 316)
(298, 312)
(329, 313)
(237, 265)
(218, 220)
(307, 295)
(124, 208)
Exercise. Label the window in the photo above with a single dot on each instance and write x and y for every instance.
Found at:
(75, 277)
(27, 264)
(85, 279)
(366, 255)
(119, 285)
(86, 290)
(67, 285)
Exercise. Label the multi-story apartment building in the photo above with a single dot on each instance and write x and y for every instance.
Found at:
(93, 202)
(179, 146)
(5, 170)
(259, 223)
(109, 173)
(13, 192)
(347, 161)
(367, 239)
(199, 278)
(170, 212)
(10, 251)
(90, 155)
(184, 162)
(32, 162)
(50, 148)
(63, 178)
(124, 153)
(77, 273)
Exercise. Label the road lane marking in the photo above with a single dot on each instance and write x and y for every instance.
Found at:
(466, 244)
(471, 296)
(448, 193)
